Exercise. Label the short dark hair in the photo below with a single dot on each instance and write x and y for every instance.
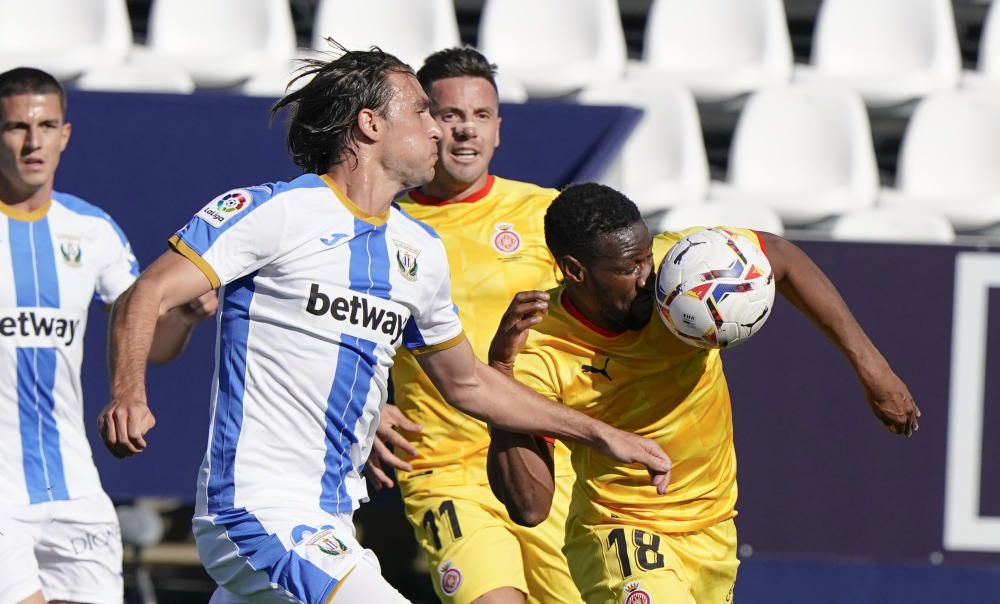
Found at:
(325, 110)
(28, 80)
(455, 63)
(583, 212)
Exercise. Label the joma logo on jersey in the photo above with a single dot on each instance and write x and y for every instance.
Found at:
(358, 310)
(39, 328)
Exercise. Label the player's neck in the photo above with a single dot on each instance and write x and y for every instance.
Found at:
(20, 201)
(370, 193)
(578, 305)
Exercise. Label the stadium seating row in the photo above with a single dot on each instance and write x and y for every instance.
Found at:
(802, 156)
(890, 51)
(801, 153)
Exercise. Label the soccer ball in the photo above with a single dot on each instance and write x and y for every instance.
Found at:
(714, 288)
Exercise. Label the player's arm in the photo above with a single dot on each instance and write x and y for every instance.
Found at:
(521, 471)
(172, 280)
(803, 284)
(520, 467)
(174, 327)
(383, 459)
(487, 394)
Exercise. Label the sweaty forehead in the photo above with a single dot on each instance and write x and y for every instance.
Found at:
(464, 91)
(30, 106)
(632, 240)
(406, 86)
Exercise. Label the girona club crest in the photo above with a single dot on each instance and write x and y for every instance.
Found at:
(451, 578)
(636, 595)
(505, 239)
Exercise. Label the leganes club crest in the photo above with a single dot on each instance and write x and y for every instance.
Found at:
(327, 542)
(406, 260)
(69, 247)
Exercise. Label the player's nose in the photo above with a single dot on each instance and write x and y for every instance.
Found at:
(463, 132)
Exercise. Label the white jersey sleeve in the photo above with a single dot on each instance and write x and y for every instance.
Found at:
(120, 268)
(234, 235)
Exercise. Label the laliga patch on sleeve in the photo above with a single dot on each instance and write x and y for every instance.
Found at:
(225, 206)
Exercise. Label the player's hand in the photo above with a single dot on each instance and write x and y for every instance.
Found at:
(528, 308)
(387, 435)
(200, 308)
(891, 401)
(632, 449)
(123, 426)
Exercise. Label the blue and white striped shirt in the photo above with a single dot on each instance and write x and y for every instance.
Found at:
(316, 298)
(54, 261)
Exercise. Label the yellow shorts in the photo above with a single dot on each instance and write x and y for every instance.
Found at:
(622, 564)
(473, 547)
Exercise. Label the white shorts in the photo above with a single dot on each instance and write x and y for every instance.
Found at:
(71, 550)
(272, 556)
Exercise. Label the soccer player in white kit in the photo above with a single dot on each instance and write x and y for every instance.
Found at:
(323, 278)
(59, 535)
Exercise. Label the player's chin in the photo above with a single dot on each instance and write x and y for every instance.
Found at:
(639, 312)
(420, 179)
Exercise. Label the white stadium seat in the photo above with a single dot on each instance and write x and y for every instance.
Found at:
(747, 215)
(949, 158)
(63, 37)
(805, 151)
(142, 72)
(719, 48)
(891, 51)
(910, 225)
(663, 163)
(987, 73)
(223, 42)
(554, 47)
(408, 29)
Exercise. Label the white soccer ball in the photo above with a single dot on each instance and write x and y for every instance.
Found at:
(714, 288)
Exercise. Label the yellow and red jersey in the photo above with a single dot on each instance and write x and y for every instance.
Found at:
(650, 383)
(495, 241)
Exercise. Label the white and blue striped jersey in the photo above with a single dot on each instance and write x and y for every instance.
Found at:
(53, 262)
(316, 298)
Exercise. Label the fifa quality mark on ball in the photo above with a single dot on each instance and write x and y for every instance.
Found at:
(715, 288)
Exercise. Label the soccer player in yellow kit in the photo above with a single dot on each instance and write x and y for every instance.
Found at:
(592, 344)
(492, 230)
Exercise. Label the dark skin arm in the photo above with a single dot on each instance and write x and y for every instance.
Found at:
(520, 467)
(803, 284)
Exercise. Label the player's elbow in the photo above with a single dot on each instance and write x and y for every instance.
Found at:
(530, 515)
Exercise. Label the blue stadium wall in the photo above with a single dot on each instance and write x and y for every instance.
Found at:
(832, 507)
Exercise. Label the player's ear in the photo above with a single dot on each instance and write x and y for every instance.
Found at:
(572, 269)
(369, 124)
(67, 129)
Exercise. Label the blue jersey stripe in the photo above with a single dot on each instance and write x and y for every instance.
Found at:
(45, 374)
(30, 423)
(264, 551)
(228, 421)
(36, 284)
(368, 272)
(45, 264)
(22, 259)
(412, 338)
